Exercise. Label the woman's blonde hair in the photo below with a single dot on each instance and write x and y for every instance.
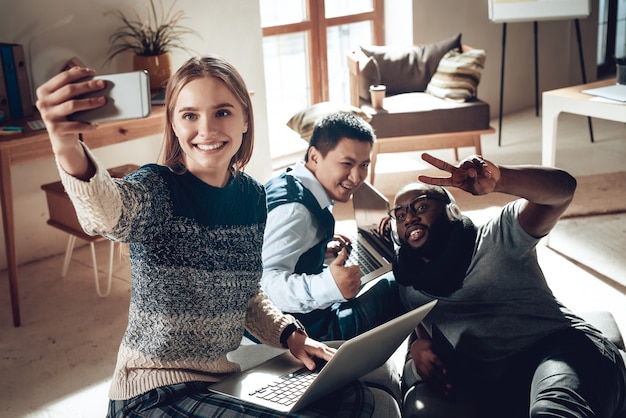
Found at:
(194, 68)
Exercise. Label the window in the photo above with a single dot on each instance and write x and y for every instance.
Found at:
(611, 35)
(305, 43)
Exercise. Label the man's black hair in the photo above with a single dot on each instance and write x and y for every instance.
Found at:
(332, 128)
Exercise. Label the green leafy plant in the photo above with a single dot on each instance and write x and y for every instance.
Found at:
(161, 32)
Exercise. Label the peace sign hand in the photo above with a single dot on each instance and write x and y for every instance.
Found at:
(474, 174)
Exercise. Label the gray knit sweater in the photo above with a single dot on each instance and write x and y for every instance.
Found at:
(195, 254)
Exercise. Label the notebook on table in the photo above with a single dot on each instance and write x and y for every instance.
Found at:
(615, 92)
(263, 384)
(371, 251)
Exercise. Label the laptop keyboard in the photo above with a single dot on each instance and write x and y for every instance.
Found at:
(287, 389)
(359, 256)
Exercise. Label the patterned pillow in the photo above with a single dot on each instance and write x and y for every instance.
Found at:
(303, 122)
(458, 75)
(406, 69)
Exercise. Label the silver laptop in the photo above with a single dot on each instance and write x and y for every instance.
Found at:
(262, 385)
(615, 92)
(372, 252)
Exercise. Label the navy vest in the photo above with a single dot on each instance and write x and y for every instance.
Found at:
(289, 189)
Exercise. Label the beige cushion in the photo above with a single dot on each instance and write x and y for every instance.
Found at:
(303, 122)
(405, 69)
(458, 75)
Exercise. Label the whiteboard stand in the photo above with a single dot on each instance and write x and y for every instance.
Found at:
(535, 32)
(582, 69)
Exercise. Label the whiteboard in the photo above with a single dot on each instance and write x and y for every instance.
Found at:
(532, 10)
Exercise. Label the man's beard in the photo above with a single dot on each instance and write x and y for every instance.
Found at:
(438, 236)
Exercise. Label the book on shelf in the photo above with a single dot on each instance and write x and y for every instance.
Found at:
(16, 82)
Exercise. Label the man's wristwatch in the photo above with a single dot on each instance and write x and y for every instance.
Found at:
(290, 329)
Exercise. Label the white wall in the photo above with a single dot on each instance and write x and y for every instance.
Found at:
(230, 29)
(558, 49)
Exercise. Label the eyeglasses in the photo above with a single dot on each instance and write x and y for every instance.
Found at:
(417, 206)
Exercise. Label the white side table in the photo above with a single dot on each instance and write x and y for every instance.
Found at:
(571, 100)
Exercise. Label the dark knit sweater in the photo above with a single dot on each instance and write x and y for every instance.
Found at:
(195, 254)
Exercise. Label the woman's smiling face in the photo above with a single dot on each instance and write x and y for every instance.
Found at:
(209, 123)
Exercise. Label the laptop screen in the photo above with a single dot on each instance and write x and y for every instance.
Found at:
(370, 206)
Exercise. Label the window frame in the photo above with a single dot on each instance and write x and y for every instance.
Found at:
(316, 27)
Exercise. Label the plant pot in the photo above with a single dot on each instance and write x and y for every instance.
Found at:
(158, 66)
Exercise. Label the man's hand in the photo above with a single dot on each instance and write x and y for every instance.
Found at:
(429, 366)
(384, 227)
(336, 244)
(348, 279)
(474, 174)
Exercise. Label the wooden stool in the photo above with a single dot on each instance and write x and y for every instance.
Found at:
(63, 217)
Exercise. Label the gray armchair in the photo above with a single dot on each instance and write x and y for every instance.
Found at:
(430, 98)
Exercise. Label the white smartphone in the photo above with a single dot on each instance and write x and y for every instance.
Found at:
(128, 97)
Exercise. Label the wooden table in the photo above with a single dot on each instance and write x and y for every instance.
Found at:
(571, 100)
(35, 145)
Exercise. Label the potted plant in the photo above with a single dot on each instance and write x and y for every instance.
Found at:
(150, 39)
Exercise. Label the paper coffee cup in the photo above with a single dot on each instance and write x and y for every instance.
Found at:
(377, 94)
